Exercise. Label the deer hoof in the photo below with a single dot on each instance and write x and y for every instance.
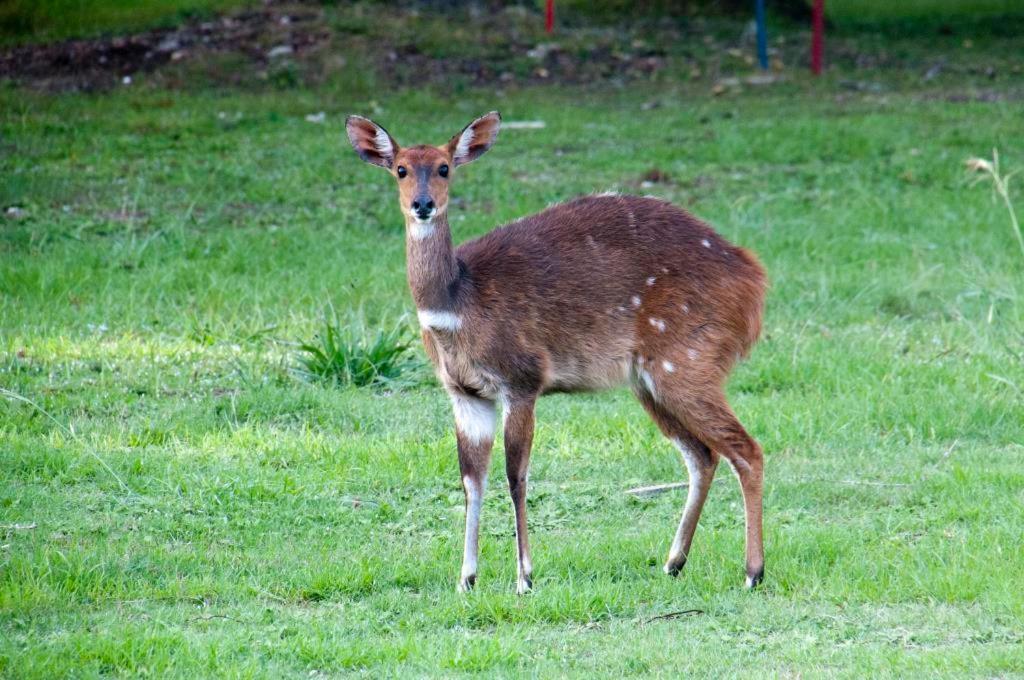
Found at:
(674, 566)
(466, 583)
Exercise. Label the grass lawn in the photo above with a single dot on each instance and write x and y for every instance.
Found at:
(37, 20)
(176, 501)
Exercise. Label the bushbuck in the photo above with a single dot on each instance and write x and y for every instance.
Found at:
(589, 294)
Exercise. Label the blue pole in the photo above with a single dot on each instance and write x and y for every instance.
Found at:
(762, 35)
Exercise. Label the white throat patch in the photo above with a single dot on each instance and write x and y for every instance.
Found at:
(439, 320)
(421, 230)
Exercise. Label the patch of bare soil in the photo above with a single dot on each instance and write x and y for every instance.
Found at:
(260, 35)
(291, 42)
(497, 48)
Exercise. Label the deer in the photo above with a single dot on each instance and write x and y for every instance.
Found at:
(594, 293)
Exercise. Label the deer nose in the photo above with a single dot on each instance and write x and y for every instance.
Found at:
(423, 207)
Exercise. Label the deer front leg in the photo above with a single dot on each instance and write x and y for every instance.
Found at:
(518, 441)
(474, 433)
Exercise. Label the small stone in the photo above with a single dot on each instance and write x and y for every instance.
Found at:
(169, 44)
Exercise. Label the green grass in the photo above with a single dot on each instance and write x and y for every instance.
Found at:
(38, 20)
(174, 501)
(345, 353)
(916, 10)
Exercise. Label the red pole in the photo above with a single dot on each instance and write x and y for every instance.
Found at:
(549, 16)
(817, 35)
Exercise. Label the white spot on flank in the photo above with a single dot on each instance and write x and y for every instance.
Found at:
(635, 300)
(669, 366)
(664, 270)
(686, 309)
(657, 323)
(651, 280)
(474, 418)
(692, 353)
(439, 320)
(706, 243)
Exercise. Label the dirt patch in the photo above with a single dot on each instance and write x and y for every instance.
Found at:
(260, 35)
(307, 42)
(288, 43)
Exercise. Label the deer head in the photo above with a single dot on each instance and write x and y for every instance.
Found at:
(423, 172)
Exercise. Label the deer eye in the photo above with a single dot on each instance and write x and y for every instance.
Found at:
(443, 170)
(401, 172)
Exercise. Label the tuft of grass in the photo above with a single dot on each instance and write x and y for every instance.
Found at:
(347, 354)
(1001, 185)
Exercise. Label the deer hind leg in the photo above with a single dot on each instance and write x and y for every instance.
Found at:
(710, 418)
(701, 464)
(474, 432)
(519, 425)
(693, 395)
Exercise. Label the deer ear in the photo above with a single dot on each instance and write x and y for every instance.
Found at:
(371, 141)
(475, 139)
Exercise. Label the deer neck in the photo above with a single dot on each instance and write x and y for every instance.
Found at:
(431, 267)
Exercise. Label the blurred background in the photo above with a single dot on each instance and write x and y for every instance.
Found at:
(456, 43)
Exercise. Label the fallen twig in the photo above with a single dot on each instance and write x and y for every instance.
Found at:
(649, 491)
(672, 615)
(208, 617)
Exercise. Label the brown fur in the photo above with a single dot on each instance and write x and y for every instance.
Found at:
(585, 295)
(531, 287)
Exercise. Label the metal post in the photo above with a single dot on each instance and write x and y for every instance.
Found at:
(817, 36)
(762, 35)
